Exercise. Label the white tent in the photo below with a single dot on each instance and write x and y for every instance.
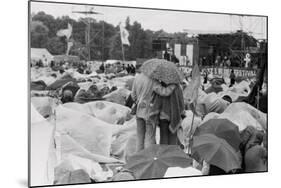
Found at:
(41, 54)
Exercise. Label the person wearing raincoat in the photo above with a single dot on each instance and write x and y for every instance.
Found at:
(166, 109)
(142, 94)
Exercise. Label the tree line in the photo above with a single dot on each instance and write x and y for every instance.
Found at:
(105, 43)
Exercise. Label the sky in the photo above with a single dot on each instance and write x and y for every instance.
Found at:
(169, 21)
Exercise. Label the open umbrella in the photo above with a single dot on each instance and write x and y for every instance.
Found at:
(222, 128)
(154, 161)
(162, 70)
(215, 151)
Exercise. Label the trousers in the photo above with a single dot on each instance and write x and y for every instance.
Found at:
(166, 136)
(145, 134)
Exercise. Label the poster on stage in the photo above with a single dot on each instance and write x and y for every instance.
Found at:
(122, 93)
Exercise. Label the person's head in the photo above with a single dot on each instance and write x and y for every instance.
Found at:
(232, 71)
(246, 134)
(256, 159)
(61, 71)
(67, 96)
(123, 175)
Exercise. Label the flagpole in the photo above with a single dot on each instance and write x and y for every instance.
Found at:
(123, 53)
(122, 47)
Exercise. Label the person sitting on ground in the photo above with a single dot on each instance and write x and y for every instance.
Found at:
(67, 96)
(256, 159)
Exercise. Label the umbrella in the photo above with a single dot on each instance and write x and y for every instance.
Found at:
(162, 70)
(149, 66)
(222, 128)
(154, 161)
(215, 151)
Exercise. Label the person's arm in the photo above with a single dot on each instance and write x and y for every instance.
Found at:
(163, 91)
(134, 92)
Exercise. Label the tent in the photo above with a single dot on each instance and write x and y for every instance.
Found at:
(66, 58)
(41, 54)
(112, 61)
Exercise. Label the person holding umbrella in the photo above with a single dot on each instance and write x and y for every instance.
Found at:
(166, 104)
(167, 107)
(141, 93)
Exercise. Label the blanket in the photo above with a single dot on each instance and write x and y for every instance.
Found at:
(173, 106)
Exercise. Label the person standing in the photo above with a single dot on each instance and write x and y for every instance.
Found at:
(142, 95)
(101, 68)
(232, 78)
(166, 109)
(133, 69)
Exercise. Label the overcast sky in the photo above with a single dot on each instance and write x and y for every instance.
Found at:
(170, 21)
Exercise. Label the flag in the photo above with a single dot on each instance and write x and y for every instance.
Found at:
(124, 35)
(191, 91)
(65, 32)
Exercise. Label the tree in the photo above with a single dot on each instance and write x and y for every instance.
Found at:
(39, 34)
(115, 49)
(56, 45)
(47, 20)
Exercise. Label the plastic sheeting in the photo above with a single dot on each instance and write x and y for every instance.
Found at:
(211, 102)
(83, 135)
(259, 116)
(73, 163)
(41, 138)
(107, 111)
(43, 105)
(118, 96)
(123, 144)
(185, 131)
(243, 115)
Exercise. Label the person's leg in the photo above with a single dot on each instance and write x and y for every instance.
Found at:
(172, 138)
(164, 131)
(140, 133)
(150, 130)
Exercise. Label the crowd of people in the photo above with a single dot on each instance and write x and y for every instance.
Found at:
(159, 112)
(161, 105)
(117, 68)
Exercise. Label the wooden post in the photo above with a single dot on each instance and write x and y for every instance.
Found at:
(191, 134)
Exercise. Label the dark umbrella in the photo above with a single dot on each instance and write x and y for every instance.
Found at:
(222, 128)
(162, 70)
(154, 161)
(215, 151)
